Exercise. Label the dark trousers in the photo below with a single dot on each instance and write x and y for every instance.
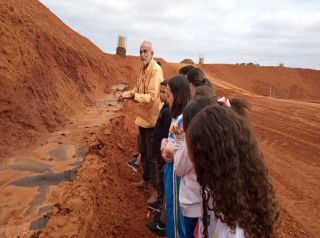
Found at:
(160, 186)
(190, 225)
(148, 162)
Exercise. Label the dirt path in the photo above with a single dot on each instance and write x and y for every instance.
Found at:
(29, 181)
(289, 134)
(100, 202)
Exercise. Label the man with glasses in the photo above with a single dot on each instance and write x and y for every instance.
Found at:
(147, 95)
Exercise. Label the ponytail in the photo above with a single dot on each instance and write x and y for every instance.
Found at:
(240, 106)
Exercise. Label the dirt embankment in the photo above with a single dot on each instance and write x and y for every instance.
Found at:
(48, 72)
(101, 202)
(279, 82)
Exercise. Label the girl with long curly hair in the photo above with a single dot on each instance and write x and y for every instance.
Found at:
(238, 199)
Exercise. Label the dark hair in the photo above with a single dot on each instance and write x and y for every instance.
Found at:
(205, 91)
(231, 170)
(198, 103)
(197, 78)
(193, 107)
(179, 87)
(240, 106)
(164, 82)
(185, 69)
(158, 62)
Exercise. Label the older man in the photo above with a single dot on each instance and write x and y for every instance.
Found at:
(147, 95)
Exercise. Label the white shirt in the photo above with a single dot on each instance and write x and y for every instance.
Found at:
(218, 229)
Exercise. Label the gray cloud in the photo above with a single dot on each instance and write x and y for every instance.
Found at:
(226, 31)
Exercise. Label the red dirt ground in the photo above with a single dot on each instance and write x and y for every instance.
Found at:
(48, 73)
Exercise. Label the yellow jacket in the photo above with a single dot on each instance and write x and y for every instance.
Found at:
(147, 94)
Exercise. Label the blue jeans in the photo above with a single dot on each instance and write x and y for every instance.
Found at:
(190, 224)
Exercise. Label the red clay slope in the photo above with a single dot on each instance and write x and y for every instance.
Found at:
(283, 82)
(47, 72)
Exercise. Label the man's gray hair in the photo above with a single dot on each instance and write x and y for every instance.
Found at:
(145, 42)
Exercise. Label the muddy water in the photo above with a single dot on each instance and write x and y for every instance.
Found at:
(29, 181)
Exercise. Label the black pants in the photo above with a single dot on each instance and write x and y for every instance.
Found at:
(160, 186)
(148, 162)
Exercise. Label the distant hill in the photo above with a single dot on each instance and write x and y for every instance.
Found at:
(187, 61)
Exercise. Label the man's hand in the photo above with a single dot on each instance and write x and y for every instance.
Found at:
(120, 98)
(126, 95)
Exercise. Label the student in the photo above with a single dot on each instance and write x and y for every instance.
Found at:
(161, 131)
(185, 69)
(204, 91)
(190, 191)
(196, 78)
(238, 198)
(178, 98)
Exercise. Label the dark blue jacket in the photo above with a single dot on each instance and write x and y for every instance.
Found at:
(161, 130)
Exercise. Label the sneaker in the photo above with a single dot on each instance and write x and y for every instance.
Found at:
(157, 227)
(132, 164)
(154, 206)
(132, 161)
(134, 167)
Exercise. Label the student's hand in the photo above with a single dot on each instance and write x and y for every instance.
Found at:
(176, 131)
(167, 153)
(164, 142)
(167, 157)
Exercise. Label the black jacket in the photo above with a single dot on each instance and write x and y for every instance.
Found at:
(161, 130)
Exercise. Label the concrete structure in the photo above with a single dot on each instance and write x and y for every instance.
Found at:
(121, 49)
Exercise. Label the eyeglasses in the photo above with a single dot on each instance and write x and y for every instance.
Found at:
(145, 51)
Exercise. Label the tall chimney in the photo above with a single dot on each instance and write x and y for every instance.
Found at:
(201, 59)
(121, 49)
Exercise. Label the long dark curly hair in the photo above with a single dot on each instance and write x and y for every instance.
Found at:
(231, 170)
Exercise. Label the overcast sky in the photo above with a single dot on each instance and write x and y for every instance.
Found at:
(224, 31)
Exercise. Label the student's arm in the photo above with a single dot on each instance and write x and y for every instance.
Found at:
(153, 89)
(182, 162)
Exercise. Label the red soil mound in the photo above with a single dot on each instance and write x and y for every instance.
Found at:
(48, 72)
(187, 61)
(283, 82)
